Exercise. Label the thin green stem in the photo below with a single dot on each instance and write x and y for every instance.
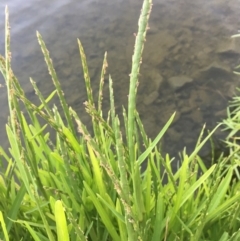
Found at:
(136, 61)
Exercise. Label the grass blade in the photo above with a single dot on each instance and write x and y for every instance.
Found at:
(145, 154)
(105, 218)
(5, 231)
(62, 229)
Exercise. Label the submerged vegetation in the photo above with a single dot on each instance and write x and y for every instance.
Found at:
(91, 186)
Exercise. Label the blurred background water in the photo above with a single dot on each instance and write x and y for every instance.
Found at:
(187, 63)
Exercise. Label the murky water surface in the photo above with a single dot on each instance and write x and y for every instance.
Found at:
(187, 63)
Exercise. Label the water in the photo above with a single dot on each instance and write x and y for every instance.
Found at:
(188, 41)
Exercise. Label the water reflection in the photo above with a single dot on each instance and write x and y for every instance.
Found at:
(186, 66)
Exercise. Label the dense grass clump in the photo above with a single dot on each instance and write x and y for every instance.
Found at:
(90, 186)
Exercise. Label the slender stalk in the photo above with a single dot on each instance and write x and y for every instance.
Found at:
(125, 198)
(55, 80)
(136, 61)
(103, 72)
(8, 68)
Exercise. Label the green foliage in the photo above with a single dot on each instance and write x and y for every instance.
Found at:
(92, 187)
(232, 125)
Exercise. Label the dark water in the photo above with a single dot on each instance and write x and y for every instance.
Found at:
(187, 63)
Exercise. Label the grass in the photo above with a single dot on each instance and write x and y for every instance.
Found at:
(92, 187)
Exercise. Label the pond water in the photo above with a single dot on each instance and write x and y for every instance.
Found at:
(187, 63)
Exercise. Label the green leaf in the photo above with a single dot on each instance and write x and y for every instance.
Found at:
(223, 207)
(116, 214)
(160, 221)
(221, 191)
(156, 140)
(62, 229)
(5, 232)
(15, 207)
(121, 225)
(17, 156)
(102, 213)
(72, 140)
(147, 193)
(188, 193)
(32, 232)
(224, 237)
(180, 189)
(97, 171)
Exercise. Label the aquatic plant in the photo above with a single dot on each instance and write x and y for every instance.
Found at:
(92, 187)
